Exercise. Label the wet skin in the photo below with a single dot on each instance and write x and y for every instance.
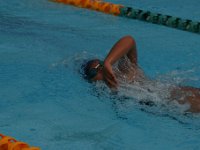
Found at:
(127, 46)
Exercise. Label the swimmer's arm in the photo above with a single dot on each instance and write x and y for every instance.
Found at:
(125, 46)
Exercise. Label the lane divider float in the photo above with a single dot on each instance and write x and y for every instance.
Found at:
(129, 12)
(97, 5)
(9, 143)
(160, 19)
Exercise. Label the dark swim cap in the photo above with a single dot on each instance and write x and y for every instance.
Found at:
(90, 72)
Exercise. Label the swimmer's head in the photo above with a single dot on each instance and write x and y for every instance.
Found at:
(92, 70)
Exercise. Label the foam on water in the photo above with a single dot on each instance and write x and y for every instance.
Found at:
(152, 95)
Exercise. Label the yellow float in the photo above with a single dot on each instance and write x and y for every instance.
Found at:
(9, 143)
(98, 5)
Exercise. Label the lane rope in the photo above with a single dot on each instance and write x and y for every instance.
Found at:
(160, 19)
(129, 12)
(9, 143)
(97, 5)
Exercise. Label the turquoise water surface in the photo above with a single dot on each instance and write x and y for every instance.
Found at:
(45, 102)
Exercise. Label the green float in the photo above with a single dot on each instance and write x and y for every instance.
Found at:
(156, 18)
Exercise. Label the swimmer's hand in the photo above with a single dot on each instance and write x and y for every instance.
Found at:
(109, 76)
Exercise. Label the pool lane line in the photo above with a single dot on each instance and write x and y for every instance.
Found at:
(160, 19)
(9, 143)
(139, 14)
(97, 5)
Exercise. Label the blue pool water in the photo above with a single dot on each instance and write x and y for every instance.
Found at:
(45, 102)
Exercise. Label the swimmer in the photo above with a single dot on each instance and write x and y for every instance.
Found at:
(124, 54)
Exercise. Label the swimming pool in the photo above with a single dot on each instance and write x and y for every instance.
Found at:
(45, 102)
